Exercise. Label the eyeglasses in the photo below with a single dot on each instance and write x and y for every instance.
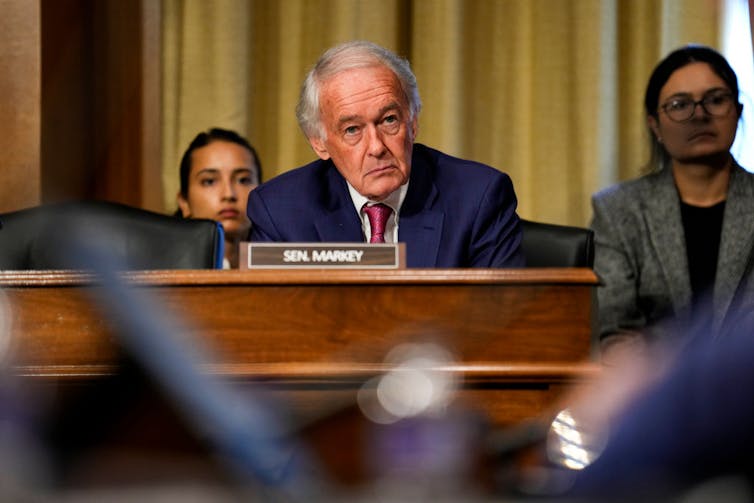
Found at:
(682, 109)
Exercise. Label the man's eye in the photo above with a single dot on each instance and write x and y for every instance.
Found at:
(207, 182)
(246, 180)
(351, 130)
(391, 124)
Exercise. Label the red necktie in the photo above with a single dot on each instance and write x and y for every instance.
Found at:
(378, 215)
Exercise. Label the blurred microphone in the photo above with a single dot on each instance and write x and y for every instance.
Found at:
(251, 437)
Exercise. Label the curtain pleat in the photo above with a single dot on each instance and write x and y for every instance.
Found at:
(549, 91)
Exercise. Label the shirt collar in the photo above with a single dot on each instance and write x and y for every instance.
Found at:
(394, 200)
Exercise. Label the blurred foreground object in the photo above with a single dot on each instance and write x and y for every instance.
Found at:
(514, 339)
(676, 426)
(693, 425)
(421, 445)
(571, 444)
(247, 435)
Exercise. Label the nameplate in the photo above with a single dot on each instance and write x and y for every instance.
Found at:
(322, 255)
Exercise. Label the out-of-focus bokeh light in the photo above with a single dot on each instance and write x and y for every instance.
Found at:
(572, 444)
(418, 382)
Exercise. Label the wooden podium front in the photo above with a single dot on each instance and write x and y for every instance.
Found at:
(517, 336)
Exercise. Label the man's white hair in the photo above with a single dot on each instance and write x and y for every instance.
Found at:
(347, 56)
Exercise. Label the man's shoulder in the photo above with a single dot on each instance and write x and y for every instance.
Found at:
(451, 166)
(312, 171)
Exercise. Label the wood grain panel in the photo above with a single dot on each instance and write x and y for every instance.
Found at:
(516, 336)
(20, 91)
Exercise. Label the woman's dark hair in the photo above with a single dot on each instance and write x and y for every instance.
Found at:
(205, 138)
(692, 53)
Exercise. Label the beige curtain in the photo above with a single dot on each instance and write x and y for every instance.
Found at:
(549, 91)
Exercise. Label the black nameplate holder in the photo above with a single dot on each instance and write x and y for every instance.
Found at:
(322, 256)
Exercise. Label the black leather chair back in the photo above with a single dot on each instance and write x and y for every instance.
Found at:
(135, 238)
(552, 245)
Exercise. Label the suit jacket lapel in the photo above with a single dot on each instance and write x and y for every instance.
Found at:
(736, 240)
(663, 214)
(420, 226)
(338, 222)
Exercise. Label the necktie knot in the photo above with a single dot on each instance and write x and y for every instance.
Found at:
(378, 215)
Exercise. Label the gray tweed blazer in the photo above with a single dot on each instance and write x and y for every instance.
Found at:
(640, 254)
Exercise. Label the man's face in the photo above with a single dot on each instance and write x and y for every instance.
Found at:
(370, 133)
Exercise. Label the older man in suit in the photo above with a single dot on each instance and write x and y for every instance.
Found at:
(359, 110)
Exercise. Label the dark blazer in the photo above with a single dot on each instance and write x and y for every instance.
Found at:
(640, 253)
(456, 213)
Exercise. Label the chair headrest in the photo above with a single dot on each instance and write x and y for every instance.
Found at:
(138, 238)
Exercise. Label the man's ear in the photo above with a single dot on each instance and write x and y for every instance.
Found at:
(414, 128)
(318, 145)
(183, 205)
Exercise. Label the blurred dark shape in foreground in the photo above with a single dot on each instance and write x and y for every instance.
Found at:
(679, 428)
(159, 427)
(163, 428)
(695, 425)
(247, 435)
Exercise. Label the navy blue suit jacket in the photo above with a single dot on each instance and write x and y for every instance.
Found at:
(456, 213)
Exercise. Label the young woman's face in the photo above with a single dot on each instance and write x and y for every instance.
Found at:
(697, 115)
(222, 175)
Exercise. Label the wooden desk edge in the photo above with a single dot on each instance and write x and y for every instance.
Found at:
(186, 277)
(479, 372)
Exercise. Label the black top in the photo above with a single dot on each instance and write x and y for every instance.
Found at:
(702, 227)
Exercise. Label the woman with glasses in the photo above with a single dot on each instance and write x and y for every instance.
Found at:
(672, 247)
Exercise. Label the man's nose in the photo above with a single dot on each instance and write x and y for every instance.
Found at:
(376, 142)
